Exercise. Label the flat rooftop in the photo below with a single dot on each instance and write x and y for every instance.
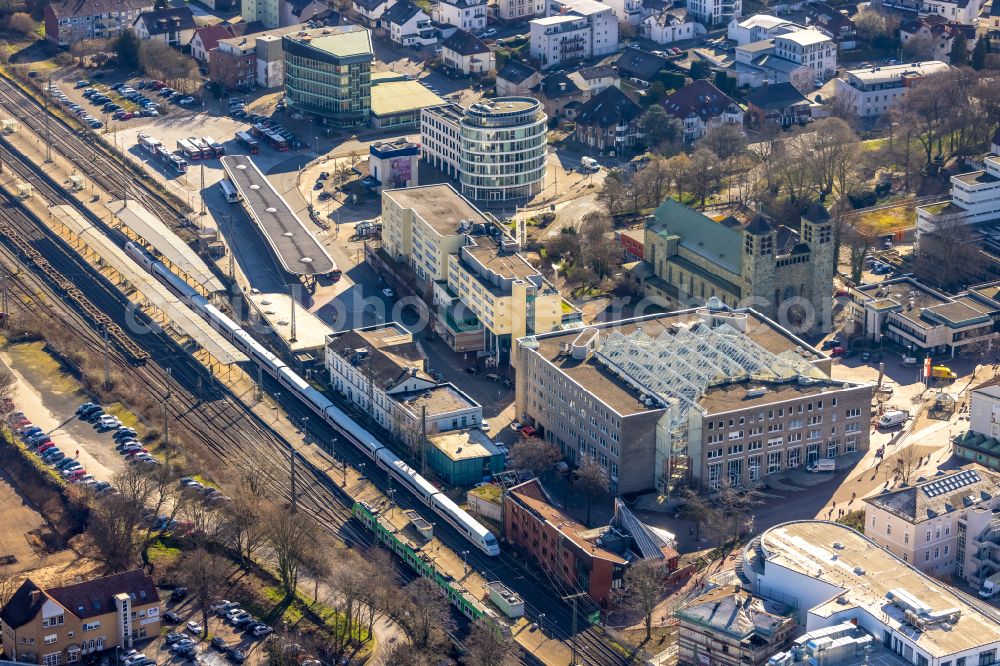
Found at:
(391, 96)
(464, 444)
(296, 247)
(623, 397)
(340, 41)
(440, 206)
(507, 264)
(976, 178)
(865, 573)
(890, 73)
(901, 291)
(276, 309)
(734, 396)
(441, 399)
(806, 37)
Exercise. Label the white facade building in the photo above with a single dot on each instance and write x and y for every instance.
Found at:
(520, 10)
(408, 25)
(965, 12)
(574, 30)
(758, 27)
(809, 48)
(628, 12)
(468, 15)
(975, 197)
(834, 575)
(496, 148)
(875, 90)
(715, 12)
(671, 25)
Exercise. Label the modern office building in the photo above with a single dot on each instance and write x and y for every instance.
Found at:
(485, 294)
(874, 90)
(835, 576)
(328, 74)
(690, 398)
(922, 523)
(784, 273)
(975, 198)
(496, 148)
(66, 624)
(925, 321)
(728, 626)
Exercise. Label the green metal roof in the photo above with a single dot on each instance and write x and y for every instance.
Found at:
(701, 235)
(342, 42)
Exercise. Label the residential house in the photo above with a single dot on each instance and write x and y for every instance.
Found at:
(172, 26)
(715, 12)
(60, 625)
(779, 104)
(872, 91)
(69, 21)
(992, 25)
(608, 122)
(408, 25)
(965, 12)
(562, 94)
(520, 10)
(758, 27)
(809, 48)
(516, 78)
(671, 25)
(370, 11)
(639, 64)
(730, 626)
(594, 560)
(207, 38)
(600, 77)
(833, 23)
(291, 12)
(574, 30)
(466, 53)
(939, 32)
(923, 522)
(701, 106)
(628, 12)
(756, 63)
(468, 15)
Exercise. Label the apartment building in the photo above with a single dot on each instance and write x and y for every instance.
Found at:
(636, 396)
(875, 90)
(172, 26)
(729, 626)
(700, 106)
(328, 74)
(62, 625)
(920, 523)
(758, 27)
(266, 12)
(715, 12)
(608, 122)
(468, 15)
(69, 21)
(839, 579)
(495, 148)
(965, 12)
(975, 198)
(981, 442)
(383, 371)
(485, 294)
(628, 12)
(809, 48)
(592, 560)
(923, 320)
(574, 30)
(520, 10)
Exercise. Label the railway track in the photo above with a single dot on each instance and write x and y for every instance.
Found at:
(235, 427)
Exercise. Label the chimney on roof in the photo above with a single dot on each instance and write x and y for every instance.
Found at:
(35, 594)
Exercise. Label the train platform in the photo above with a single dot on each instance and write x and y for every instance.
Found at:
(150, 231)
(176, 313)
(297, 249)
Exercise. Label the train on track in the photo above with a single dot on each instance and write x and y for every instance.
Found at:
(454, 515)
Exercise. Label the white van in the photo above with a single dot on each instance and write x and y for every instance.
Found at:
(893, 418)
(589, 164)
(822, 465)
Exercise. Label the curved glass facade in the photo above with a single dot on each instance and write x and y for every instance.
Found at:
(503, 149)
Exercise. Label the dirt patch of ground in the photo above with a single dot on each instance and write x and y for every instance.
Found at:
(26, 537)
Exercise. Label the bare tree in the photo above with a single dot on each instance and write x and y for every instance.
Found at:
(907, 462)
(428, 612)
(653, 182)
(488, 645)
(676, 167)
(204, 574)
(642, 589)
(860, 242)
(21, 22)
(736, 504)
(614, 193)
(534, 454)
(704, 174)
(725, 140)
(591, 480)
(291, 537)
(597, 251)
(9, 582)
(832, 153)
(701, 511)
(8, 390)
(918, 47)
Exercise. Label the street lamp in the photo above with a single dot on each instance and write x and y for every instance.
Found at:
(277, 395)
(465, 555)
(361, 469)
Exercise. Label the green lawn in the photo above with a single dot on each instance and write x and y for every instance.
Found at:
(888, 220)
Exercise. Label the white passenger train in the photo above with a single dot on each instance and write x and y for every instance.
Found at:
(316, 401)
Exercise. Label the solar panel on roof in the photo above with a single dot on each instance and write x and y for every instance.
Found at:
(954, 482)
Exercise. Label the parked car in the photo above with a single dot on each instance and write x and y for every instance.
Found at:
(220, 644)
(170, 639)
(178, 594)
(194, 627)
(172, 618)
(262, 630)
(235, 655)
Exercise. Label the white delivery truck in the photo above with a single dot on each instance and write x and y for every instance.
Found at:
(822, 465)
(990, 586)
(893, 418)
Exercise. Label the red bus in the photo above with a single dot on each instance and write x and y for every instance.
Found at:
(189, 150)
(248, 142)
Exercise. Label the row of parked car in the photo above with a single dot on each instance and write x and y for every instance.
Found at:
(39, 442)
(73, 107)
(125, 438)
